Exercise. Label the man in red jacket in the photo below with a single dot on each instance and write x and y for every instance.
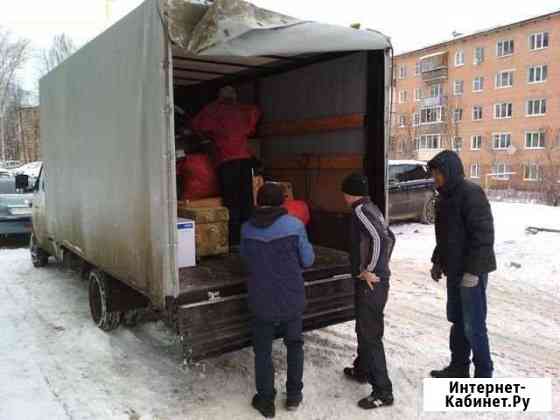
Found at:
(229, 124)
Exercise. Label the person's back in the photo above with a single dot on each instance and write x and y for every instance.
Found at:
(230, 125)
(276, 249)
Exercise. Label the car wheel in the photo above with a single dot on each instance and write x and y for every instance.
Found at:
(429, 212)
(39, 258)
(99, 296)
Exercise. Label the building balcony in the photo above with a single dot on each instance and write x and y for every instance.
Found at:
(432, 128)
(434, 67)
(435, 75)
(427, 154)
(431, 101)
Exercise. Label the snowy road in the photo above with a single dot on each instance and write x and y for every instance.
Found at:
(54, 364)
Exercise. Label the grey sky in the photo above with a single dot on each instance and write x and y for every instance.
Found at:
(410, 24)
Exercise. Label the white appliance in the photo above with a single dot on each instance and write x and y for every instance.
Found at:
(186, 245)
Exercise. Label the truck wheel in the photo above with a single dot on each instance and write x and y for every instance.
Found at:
(429, 212)
(99, 295)
(39, 258)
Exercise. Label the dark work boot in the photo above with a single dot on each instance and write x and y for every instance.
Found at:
(265, 407)
(451, 372)
(377, 399)
(353, 374)
(293, 403)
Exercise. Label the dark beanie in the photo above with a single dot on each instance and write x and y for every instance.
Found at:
(356, 185)
(270, 194)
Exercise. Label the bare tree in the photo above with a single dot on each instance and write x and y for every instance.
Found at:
(549, 176)
(61, 48)
(13, 55)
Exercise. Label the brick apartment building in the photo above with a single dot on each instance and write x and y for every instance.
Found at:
(493, 96)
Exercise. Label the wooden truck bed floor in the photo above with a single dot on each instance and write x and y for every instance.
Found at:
(227, 274)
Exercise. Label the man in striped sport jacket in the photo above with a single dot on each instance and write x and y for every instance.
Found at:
(372, 244)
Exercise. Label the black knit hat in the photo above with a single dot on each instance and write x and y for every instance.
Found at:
(356, 185)
(270, 194)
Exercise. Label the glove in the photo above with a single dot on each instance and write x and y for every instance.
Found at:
(436, 272)
(469, 280)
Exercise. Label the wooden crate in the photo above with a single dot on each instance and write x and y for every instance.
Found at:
(212, 231)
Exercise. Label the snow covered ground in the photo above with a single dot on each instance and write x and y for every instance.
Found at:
(54, 364)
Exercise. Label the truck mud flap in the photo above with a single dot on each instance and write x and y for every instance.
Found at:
(221, 325)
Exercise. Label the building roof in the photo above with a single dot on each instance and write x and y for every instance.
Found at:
(477, 34)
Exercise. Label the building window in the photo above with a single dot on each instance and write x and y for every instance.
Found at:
(501, 141)
(538, 41)
(418, 94)
(431, 115)
(402, 71)
(415, 119)
(538, 74)
(532, 172)
(457, 144)
(478, 56)
(476, 142)
(534, 140)
(459, 58)
(403, 96)
(458, 87)
(504, 48)
(418, 69)
(503, 110)
(457, 114)
(536, 107)
(428, 141)
(436, 91)
(501, 171)
(504, 79)
(478, 84)
(477, 113)
(402, 121)
(475, 170)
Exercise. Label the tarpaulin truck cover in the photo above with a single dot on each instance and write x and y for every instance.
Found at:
(107, 126)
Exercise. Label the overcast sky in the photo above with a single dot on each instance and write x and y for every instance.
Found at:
(410, 24)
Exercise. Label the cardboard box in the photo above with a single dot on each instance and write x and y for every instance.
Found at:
(186, 248)
(212, 230)
(202, 203)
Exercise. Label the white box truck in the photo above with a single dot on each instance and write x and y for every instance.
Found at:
(106, 200)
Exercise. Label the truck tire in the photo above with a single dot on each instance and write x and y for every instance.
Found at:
(39, 258)
(99, 295)
(429, 212)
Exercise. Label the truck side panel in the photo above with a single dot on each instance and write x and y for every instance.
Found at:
(105, 127)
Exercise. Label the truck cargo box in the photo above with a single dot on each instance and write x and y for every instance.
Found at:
(108, 192)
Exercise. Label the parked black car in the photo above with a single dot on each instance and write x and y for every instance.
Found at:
(412, 191)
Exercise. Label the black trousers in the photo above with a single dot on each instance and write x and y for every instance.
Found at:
(263, 335)
(370, 325)
(236, 185)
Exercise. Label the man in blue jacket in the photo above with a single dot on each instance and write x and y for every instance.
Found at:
(276, 248)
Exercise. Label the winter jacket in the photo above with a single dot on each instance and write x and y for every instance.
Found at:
(229, 125)
(276, 248)
(371, 240)
(464, 223)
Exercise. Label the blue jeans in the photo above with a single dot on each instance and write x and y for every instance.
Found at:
(466, 310)
(264, 333)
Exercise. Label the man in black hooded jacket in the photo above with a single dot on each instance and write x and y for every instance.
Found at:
(465, 254)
